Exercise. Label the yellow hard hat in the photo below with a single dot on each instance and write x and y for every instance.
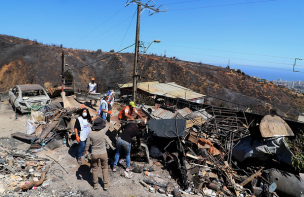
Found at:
(92, 79)
(132, 104)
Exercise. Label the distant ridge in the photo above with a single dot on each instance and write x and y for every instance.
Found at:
(26, 61)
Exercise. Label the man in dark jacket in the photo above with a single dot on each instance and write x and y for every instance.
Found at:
(124, 141)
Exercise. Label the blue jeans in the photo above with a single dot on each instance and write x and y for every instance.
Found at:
(81, 147)
(122, 145)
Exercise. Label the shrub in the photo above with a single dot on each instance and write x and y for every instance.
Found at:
(297, 147)
(68, 76)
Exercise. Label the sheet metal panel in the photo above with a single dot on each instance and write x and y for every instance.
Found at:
(273, 126)
(87, 97)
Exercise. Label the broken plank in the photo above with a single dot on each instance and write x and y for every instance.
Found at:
(49, 128)
(192, 156)
(38, 130)
(23, 136)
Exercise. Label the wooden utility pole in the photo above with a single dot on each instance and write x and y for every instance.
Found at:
(62, 72)
(151, 6)
(135, 75)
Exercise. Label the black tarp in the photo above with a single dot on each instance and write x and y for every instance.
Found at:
(168, 127)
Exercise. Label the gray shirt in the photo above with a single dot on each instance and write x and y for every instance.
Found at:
(97, 139)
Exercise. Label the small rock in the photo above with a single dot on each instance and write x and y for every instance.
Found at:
(37, 174)
(18, 178)
(11, 188)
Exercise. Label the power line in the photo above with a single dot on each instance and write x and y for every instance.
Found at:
(181, 2)
(239, 64)
(236, 64)
(224, 5)
(109, 29)
(115, 32)
(99, 25)
(256, 54)
(249, 65)
(226, 57)
(119, 74)
(126, 31)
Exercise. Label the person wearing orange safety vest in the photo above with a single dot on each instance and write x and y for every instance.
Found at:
(127, 111)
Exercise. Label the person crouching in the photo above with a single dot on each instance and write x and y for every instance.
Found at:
(97, 138)
(123, 143)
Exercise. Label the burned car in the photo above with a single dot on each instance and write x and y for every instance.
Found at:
(22, 97)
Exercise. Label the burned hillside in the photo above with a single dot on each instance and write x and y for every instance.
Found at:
(25, 61)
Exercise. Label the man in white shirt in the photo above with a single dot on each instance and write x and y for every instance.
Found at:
(92, 89)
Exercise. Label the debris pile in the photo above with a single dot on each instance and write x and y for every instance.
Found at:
(51, 124)
(219, 152)
(20, 170)
(207, 152)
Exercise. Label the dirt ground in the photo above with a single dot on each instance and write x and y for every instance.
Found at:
(77, 181)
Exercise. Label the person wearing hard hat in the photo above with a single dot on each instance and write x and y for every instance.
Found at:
(127, 111)
(92, 89)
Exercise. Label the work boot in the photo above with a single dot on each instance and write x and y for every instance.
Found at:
(106, 186)
(79, 160)
(95, 186)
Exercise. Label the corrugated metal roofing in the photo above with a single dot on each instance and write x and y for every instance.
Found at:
(170, 90)
(163, 114)
(184, 112)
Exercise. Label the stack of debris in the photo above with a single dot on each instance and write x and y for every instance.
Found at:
(51, 124)
(218, 152)
(20, 170)
(209, 152)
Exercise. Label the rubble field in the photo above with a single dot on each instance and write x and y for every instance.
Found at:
(206, 151)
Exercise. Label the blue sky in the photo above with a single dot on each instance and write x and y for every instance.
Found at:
(261, 37)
